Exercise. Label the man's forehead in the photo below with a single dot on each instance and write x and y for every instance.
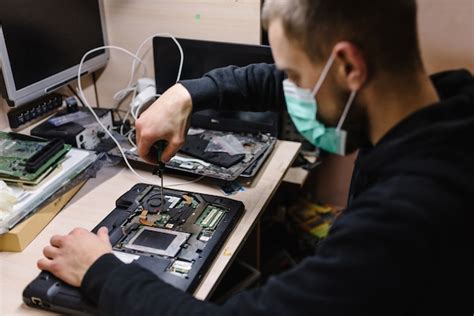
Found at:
(288, 53)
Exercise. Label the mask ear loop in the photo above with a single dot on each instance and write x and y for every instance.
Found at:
(346, 109)
(324, 74)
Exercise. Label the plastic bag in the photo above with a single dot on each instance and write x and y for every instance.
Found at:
(7, 199)
(227, 144)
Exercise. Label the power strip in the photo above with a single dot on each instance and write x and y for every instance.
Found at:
(28, 113)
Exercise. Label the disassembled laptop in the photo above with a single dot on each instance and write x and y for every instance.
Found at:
(177, 241)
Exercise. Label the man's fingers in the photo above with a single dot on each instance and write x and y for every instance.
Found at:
(144, 146)
(79, 231)
(137, 136)
(103, 234)
(50, 252)
(169, 152)
(44, 264)
(57, 241)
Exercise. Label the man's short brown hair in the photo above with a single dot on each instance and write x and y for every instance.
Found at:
(384, 30)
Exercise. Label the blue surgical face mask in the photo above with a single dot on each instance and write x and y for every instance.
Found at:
(302, 107)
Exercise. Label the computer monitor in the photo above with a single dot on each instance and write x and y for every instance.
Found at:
(201, 57)
(42, 43)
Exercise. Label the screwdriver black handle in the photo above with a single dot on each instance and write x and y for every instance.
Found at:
(157, 150)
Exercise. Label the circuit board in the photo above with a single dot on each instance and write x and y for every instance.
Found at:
(176, 241)
(28, 159)
(149, 226)
(179, 230)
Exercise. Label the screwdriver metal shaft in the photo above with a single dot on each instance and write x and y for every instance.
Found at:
(159, 147)
(162, 196)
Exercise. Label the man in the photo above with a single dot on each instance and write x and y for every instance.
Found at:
(404, 245)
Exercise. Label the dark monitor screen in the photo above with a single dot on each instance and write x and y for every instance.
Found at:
(45, 37)
(201, 57)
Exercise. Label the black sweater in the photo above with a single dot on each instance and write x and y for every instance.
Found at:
(403, 246)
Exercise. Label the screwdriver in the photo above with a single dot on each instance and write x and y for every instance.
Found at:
(158, 149)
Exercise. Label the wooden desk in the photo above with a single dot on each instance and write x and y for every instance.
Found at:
(298, 175)
(97, 198)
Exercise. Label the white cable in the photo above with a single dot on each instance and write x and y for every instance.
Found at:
(122, 94)
(183, 183)
(86, 103)
(130, 134)
(135, 111)
(134, 95)
(130, 131)
(181, 53)
(81, 92)
(123, 121)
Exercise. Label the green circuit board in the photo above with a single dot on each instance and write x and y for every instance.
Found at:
(16, 152)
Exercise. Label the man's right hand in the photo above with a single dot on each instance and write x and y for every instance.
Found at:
(166, 119)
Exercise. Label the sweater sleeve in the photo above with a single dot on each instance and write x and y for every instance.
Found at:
(257, 87)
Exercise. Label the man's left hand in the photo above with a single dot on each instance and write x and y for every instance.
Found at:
(70, 256)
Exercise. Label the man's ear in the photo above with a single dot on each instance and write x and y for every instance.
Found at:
(351, 64)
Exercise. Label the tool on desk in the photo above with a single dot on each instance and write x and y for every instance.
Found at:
(157, 150)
